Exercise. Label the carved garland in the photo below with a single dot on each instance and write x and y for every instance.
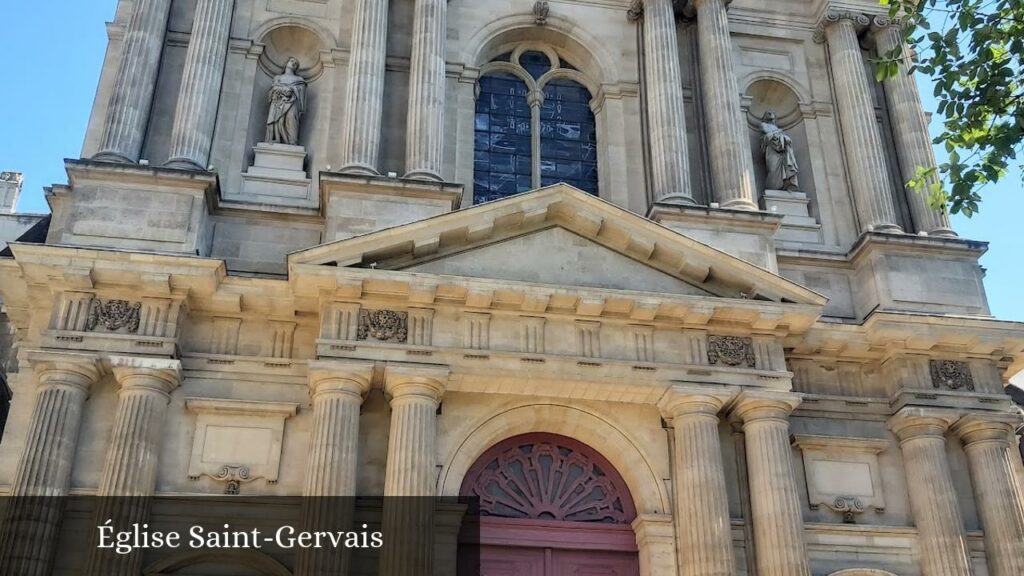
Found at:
(114, 315)
(951, 374)
(383, 326)
(548, 477)
(731, 351)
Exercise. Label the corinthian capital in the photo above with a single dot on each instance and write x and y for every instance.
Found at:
(834, 16)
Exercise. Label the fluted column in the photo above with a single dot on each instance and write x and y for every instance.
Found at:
(732, 168)
(933, 502)
(997, 489)
(360, 136)
(424, 138)
(129, 471)
(703, 528)
(910, 130)
(196, 113)
(865, 155)
(338, 389)
(28, 534)
(124, 127)
(670, 170)
(774, 500)
(410, 478)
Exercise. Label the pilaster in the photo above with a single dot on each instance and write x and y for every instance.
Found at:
(997, 488)
(338, 389)
(425, 122)
(933, 501)
(910, 129)
(732, 168)
(360, 136)
(865, 155)
(656, 543)
(701, 503)
(775, 503)
(196, 113)
(129, 471)
(28, 533)
(124, 128)
(670, 170)
(415, 393)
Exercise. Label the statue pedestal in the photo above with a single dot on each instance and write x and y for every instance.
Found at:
(277, 177)
(797, 223)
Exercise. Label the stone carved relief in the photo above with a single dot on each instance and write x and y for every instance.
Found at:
(731, 351)
(848, 506)
(15, 177)
(287, 105)
(540, 11)
(635, 11)
(233, 476)
(114, 315)
(383, 326)
(951, 374)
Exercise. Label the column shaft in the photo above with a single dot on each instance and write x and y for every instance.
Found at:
(333, 459)
(933, 502)
(670, 170)
(425, 124)
(775, 505)
(409, 481)
(865, 155)
(732, 168)
(997, 491)
(360, 137)
(199, 95)
(701, 502)
(28, 534)
(910, 130)
(129, 471)
(124, 127)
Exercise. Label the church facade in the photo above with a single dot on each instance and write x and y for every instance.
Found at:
(642, 276)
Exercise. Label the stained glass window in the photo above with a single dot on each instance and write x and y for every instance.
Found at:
(568, 136)
(505, 146)
(502, 151)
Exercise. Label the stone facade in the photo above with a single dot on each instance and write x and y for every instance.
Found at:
(789, 382)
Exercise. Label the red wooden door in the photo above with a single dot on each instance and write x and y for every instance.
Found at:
(551, 506)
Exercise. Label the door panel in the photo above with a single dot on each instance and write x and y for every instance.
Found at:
(500, 561)
(594, 563)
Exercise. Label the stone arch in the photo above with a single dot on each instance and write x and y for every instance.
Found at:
(256, 562)
(801, 91)
(569, 40)
(622, 451)
(862, 572)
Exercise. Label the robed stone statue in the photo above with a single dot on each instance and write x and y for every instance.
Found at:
(287, 104)
(779, 159)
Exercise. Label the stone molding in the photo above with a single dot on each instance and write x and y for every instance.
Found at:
(832, 16)
(257, 425)
(756, 405)
(407, 381)
(708, 400)
(339, 376)
(915, 422)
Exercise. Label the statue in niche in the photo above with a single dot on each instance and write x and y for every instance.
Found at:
(779, 158)
(287, 104)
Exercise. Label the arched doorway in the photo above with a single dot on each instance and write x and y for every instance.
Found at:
(551, 506)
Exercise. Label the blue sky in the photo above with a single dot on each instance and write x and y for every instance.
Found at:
(56, 49)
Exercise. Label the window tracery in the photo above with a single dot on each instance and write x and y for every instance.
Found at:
(533, 127)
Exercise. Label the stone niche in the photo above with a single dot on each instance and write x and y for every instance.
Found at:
(843, 473)
(237, 441)
(277, 172)
(799, 223)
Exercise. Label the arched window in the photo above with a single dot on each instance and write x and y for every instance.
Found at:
(534, 126)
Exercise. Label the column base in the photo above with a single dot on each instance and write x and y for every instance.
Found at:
(132, 207)
(740, 204)
(423, 175)
(113, 158)
(184, 164)
(359, 170)
(354, 204)
(884, 228)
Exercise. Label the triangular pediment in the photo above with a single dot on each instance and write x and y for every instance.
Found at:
(559, 236)
(559, 256)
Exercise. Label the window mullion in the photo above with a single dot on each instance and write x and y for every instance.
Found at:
(535, 99)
